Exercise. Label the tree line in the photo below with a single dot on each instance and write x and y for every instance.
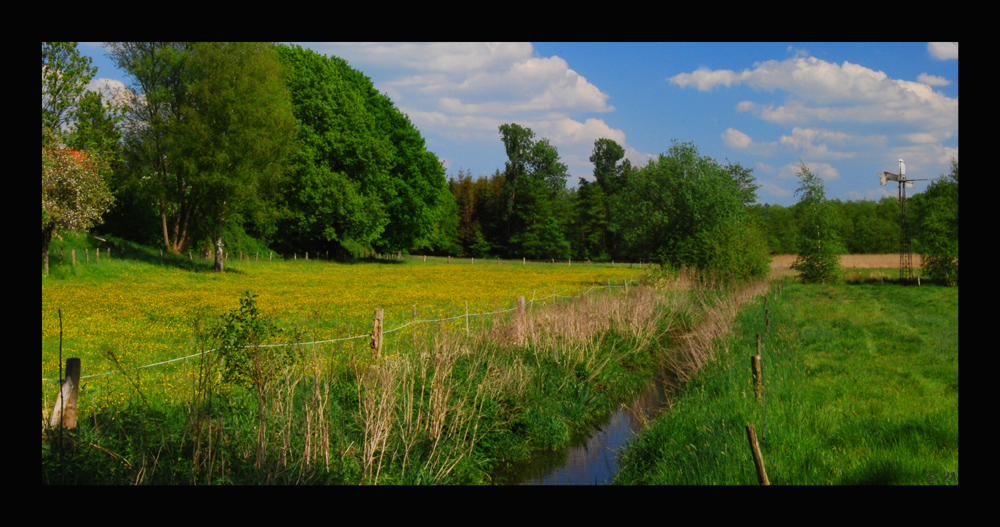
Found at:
(251, 146)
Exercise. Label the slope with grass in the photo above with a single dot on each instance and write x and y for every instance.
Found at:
(861, 387)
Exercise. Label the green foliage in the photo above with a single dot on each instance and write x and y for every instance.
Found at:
(818, 247)
(936, 226)
(534, 193)
(361, 171)
(65, 74)
(687, 209)
(241, 335)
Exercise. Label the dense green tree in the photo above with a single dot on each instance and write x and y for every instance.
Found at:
(935, 222)
(612, 172)
(208, 130)
(362, 176)
(535, 194)
(608, 173)
(234, 133)
(818, 248)
(152, 175)
(589, 228)
(686, 209)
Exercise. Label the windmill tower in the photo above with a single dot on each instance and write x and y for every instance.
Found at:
(905, 254)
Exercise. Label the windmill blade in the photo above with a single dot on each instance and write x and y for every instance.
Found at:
(890, 176)
(882, 179)
(909, 184)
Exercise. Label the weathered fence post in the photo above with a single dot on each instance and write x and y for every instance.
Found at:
(758, 381)
(73, 255)
(520, 321)
(376, 343)
(466, 318)
(414, 322)
(758, 461)
(64, 411)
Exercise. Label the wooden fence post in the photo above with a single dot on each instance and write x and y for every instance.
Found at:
(466, 318)
(64, 411)
(73, 255)
(520, 321)
(758, 381)
(758, 461)
(376, 343)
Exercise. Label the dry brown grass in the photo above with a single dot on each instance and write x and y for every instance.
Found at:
(851, 261)
(697, 345)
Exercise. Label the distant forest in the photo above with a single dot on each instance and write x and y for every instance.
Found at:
(253, 146)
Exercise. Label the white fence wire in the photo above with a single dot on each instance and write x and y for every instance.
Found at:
(366, 335)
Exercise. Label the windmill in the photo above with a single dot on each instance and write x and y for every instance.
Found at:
(905, 254)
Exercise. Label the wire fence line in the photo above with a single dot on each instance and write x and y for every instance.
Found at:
(763, 394)
(625, 283)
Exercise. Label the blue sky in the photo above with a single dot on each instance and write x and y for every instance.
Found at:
(848, 110)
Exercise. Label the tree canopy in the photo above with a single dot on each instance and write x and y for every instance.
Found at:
(818, 247)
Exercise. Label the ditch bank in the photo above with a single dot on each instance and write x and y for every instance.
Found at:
(592, 458)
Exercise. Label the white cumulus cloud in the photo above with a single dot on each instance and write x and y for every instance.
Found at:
(736, 139)
(943, 50)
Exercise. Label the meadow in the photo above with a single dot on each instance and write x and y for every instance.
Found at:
(147, 313)
(860, 387)
(445, 403)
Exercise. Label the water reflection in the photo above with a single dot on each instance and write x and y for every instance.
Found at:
(593, 460)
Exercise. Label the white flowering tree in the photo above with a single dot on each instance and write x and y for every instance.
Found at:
(74, 195)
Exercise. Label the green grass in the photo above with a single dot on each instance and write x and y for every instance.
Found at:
(455, 406)
(861, 387)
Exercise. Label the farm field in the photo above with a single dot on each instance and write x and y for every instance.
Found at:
(860, 387)
(145, 313)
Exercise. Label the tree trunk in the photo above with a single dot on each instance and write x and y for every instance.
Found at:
(46, 238)
(218, 252)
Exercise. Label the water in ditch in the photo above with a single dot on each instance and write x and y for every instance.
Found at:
(592, 460)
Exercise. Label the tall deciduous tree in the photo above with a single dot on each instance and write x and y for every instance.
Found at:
(686, 209)
(65, 74)
(818, 247)
(535, 194)
(234, 133)
(208, 130)
(157, 93)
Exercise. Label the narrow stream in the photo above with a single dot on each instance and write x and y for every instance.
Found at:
(592, 461)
